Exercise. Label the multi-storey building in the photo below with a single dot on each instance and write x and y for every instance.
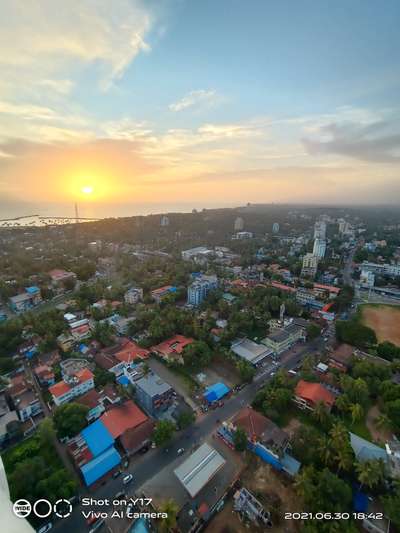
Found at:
(133, 295)
(153, 394)
(319, 248)
(320, 230)
(72, 386)
(282, 339)
(25, 301)
(159, 294)
(384, 269)
(200, 288)
(310, 265)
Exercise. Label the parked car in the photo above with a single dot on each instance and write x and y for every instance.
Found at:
(127, 479)
(180, 451)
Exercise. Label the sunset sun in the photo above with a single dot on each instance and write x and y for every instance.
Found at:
(87, 189)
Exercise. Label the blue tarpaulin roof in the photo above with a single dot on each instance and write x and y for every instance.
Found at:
(360, 502)
(216, 392)
(32, 290)
(97, 437)
(97, 467)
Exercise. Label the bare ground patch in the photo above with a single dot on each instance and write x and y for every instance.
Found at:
(384, 320)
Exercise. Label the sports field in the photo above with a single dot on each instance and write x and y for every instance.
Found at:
(384, 320)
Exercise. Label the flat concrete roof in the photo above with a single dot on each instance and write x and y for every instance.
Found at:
(199, 468)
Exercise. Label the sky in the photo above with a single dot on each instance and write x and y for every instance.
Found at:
(198, 103)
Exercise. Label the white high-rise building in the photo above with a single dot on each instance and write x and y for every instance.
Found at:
(164, 221)
(320, 230)
(367, 278)
(275, 227)
(239, 224)
(319, 248)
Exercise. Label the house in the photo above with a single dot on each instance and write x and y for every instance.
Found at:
(159, 294)
(153, 394)
(6, 417)
(44, 375)
(259, 428)
(80, 329)
(92, 400)
(59, 277)
(24, 398)
(307, 395)
(133, 295)
(171, 349)
(30, 298)
(341, 357)
(136, 438)
(65, 342)
(124, 354)
(72, 386)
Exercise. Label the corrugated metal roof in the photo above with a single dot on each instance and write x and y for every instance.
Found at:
(97, 437)
(100, 465)
(199, 468)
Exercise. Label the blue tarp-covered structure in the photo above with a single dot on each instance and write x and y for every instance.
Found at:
(100, 465)
(216, 392)
(97, 437)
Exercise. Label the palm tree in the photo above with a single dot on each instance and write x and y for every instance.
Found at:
(325, 450)
(339, 434)
(342, 403)
(320, 412)
(357, 412)
(371, 472)
(304, 484)
(170, 508)
(344, 458)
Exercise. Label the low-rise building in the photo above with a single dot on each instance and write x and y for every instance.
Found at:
(59, 277)
(159, 294)
(44, 375)
(92, 400)
(30, 298)
(307, 395)
(72, 386)
(196, 254)
(341, 357)
(133, 295)
(282, 339)
(171, 349)
(250, 351)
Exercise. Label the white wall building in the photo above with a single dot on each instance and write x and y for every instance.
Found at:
(319, 248)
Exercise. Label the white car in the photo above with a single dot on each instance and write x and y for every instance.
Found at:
(127, 479)
(180, 451)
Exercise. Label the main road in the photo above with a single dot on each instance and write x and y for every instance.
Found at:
(144, 467)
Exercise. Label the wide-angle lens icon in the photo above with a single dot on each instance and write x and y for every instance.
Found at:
(22, 508)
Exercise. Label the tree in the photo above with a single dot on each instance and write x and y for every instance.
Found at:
(163, 432)
(102, 377)
(246, 371)
(313, 331)
(371, 472)
(69, 419)
(46, 432)
(352, 332)
(170, 508)
(393, 412)
(383, 422)
(185, 419)
(388, 350)
(320, 413)
(357, 412)
(391, 505)
(197, 355)
(240, 439)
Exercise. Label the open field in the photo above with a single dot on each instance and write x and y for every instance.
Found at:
(384, 320)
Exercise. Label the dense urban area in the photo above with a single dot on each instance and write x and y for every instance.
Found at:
(212, 371)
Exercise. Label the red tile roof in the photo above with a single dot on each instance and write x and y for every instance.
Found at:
(59, 389)
(174, 345)
(84, 375)
(131, 351)
(118, 419)
(251, 421)
(314, 393)
(91, 399)
(161, 289)
(329, 288)
(133, 438)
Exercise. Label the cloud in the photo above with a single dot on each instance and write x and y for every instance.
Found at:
(59, 86)
(376, 142)
(44, 39)
(197, 98)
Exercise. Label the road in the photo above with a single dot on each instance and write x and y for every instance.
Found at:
(144, 467)
(348, 268)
